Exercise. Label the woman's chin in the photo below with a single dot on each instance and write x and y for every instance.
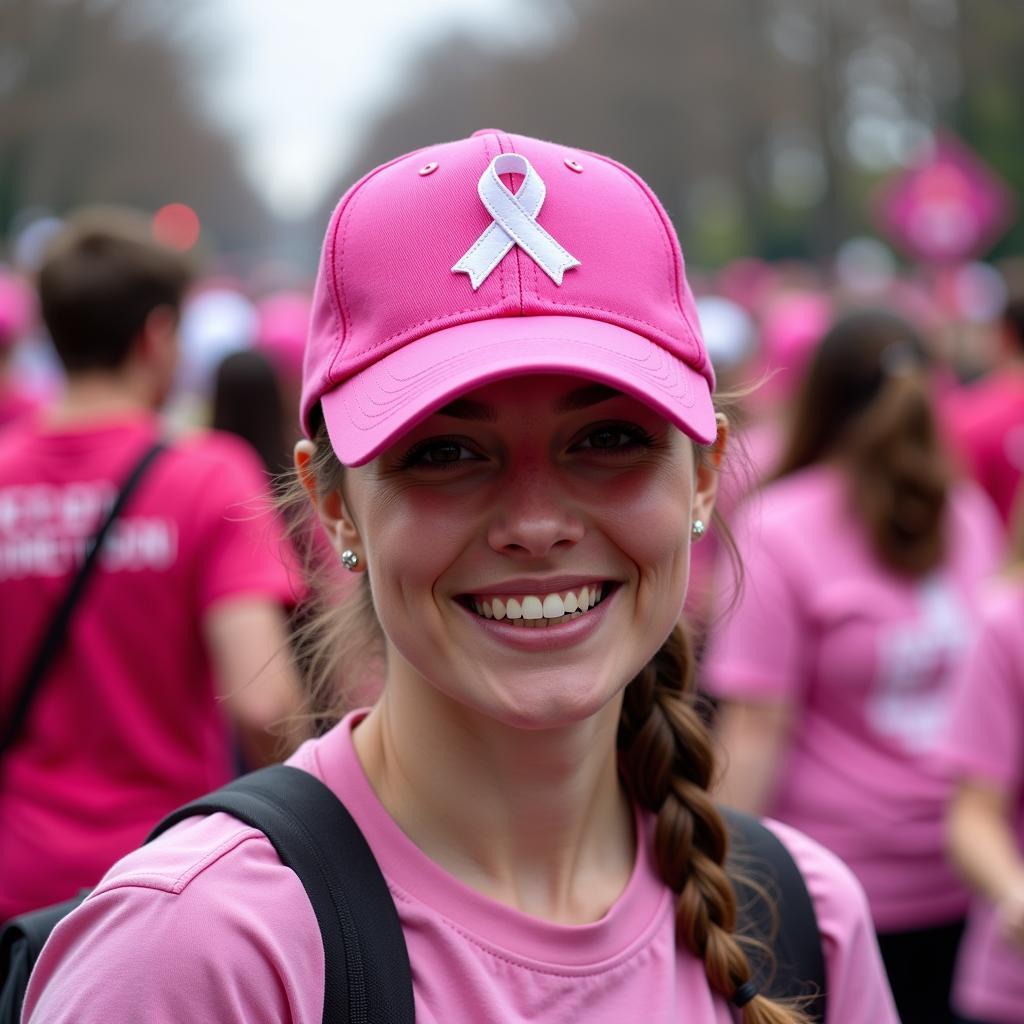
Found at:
(550, 700)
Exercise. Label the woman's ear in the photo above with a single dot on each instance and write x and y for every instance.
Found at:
(709, 464)
(329, 505)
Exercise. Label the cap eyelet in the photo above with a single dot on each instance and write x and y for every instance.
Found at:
(427, 169)
(574, 165)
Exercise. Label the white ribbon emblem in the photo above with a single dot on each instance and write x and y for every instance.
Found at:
(515, 223)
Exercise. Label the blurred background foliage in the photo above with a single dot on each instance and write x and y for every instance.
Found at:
(102, 101)
(764, 125)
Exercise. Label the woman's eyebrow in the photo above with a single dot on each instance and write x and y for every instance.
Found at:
(578, 398)
(586, 396)
(467, 409)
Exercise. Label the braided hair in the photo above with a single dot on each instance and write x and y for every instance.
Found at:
(668, 767)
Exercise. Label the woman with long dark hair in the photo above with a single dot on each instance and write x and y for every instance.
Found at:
(863, 565)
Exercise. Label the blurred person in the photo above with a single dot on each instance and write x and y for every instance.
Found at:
(790, 327)
(515, 479)
(248, 403)
(217, 320)
(984, 748)
(985, 419)
(176, 640)
(863, 565)
(17, 306)
(283, 323)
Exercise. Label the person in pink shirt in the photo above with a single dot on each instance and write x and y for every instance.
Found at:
(172, 647)
(511, 442)
(863, 568)
(984, 749)
(985, 420)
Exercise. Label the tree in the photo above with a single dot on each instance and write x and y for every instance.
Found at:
(762, 125)
(98, 103)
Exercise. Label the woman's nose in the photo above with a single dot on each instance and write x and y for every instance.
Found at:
(535, 516)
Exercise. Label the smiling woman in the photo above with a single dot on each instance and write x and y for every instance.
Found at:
(548, 495)
(511, 436)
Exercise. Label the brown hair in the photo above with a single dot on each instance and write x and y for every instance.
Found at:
(247, 402)
(101, 278)
(667, 763)
(865, 401)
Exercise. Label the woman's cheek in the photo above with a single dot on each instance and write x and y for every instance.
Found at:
(660, 549)
(409, 548)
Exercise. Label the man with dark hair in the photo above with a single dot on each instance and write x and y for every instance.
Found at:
(179, 637)
(986, 419)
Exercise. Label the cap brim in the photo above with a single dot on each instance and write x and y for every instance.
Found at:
(371, 410)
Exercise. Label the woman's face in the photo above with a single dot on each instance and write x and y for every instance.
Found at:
(528, 546)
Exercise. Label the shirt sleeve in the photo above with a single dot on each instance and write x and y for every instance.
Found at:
(243, 550)
(985, 735)
(758, 649)
(229, 945)
(857, 988)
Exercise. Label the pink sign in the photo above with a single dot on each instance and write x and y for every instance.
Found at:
(947, 208)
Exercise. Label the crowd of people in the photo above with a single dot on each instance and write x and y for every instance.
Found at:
(426, 530)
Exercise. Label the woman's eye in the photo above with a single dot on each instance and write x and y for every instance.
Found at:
(443, 452)
(615, 438)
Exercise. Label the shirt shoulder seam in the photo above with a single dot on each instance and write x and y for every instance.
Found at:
(175, 884)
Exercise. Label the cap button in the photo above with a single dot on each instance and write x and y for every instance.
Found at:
(487, 131)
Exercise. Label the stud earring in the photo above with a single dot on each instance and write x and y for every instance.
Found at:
(349, 559)
(698, 529)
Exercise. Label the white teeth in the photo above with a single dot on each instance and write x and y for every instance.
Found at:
(532, 610)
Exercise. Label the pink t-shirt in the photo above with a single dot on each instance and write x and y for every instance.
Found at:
(867, 657)
(127, 724)
(985, 423)
(15, 405)
(986, 741)
(206, 924)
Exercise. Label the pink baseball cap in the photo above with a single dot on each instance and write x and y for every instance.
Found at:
(492, 257)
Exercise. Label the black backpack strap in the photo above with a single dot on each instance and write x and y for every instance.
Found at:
(782, 916)
(21, 941)
(56, 630)
(367, 974)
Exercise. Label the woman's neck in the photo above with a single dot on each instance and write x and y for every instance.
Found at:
(536, 820)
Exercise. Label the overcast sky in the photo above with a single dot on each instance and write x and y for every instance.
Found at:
(299, 81)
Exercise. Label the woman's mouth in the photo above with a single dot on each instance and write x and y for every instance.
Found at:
(538, 611)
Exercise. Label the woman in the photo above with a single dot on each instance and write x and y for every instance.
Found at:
(984, 747)
(864, 563)
(512, 439)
